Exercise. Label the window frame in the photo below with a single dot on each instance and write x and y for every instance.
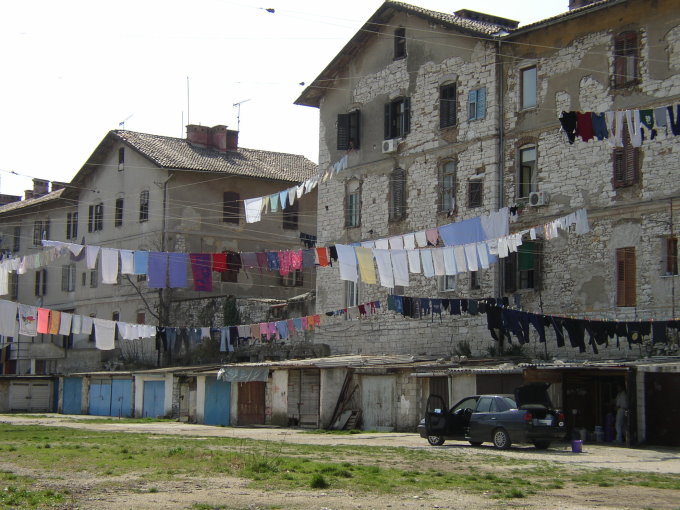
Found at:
(447, 192)
(626, 59)
(349, 131)
(524, 83)
(144, 206)
(397, 195)
(16, 239)
(40, 287)
(121, 158)
(475, 193)
(477, 98)
(447, 283)
(291, 216)
(625, 161)
(352, 293)
(517, 279)
(474, 280)
(353, 204)
(72, 225)
(397, 118)
(95, 221)
(294, 278)
(231, 207)
(448, 106)
(522, 185)
(626, 277)
(68, 277)
(400, 43)
(118, 214)
(671, 255)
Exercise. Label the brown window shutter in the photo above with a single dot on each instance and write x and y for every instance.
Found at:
(625, 277)
(231, 207)
(343, 131)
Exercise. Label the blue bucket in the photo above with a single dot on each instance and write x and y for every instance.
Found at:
(577, 446)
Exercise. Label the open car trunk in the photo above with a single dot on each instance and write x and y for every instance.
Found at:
(534, 397)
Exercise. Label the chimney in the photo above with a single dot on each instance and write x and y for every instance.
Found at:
(575, 4)
(28, 194)
(488, 18)
(40, 187)
(218, 138)
(232, 140)
(198, 135)
(56, 185)
(8, 199)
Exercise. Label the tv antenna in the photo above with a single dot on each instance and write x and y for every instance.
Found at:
(121, 124)
(238, 115)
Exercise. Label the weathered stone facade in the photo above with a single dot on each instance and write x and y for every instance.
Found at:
(574, 59)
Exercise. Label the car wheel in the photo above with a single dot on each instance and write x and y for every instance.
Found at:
(542, 445)
(475, 443)
(501, 439)
(435, 440)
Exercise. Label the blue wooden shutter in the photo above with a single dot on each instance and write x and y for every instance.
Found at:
(407, 115)
(388, 121)
(472, 105)
(481, 103)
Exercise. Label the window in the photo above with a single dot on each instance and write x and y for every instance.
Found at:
(474, 280)
(397, 118)
(447, 283)
(41, 230)
(477, 104)
(41, 282)
(475, 192)
(353, 204)
(671, 255)
(447, 105)
(522, 269)
(348, 130)
(68, 278)
(144, 206)
(115, 316)
(528, 87)
(118, 218)
(527, 172)
(16, 241)
(14, 286)
(625, 276)
(141, 317)
(397, 198)
(121, 158)
(83, 279)
(626, 161)
(351, 293)
(625, 59)
(484, 404)
(399, 43)
(290, 216)
(94, 276)
(230, 207)
(95, 221)
(447, 187)
(292, 279)
(71, 225)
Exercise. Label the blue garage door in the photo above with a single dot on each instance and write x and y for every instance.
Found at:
(100, 398)
(73, 395)
(154, 397)
(121, 397)
(217, 402)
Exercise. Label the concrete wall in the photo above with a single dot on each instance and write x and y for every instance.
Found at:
(279, 398)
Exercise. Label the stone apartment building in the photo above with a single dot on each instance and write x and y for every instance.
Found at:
(445, 117)
(140, 191)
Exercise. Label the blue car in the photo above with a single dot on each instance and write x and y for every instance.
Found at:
(526, 417)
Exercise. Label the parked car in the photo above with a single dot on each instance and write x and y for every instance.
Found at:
(526, 417)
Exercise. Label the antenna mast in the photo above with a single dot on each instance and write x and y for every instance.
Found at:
(238, 114)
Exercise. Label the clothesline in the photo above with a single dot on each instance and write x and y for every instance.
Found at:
(609, 125)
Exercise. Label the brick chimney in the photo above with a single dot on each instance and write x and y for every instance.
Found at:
(218, 137)
(56, 185)
(575, 4)
(40, 187)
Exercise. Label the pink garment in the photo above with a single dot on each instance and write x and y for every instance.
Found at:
(317, 320)
(291, 325)
(296, 260)
(272, 330)
(43, 320)
(304, 323)
(284, 263)
(432, 235)
(264, 330)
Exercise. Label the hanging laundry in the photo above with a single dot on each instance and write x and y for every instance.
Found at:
(348, 262)
(308, 258)
(157, 269)
(233, 265)
(396, 243)
(409, 241)
(201, 270)
(471, 257)
(127, 262)
(8, 318)
(54, 321)
(283, 198)
(91, 253)
(428, 263)
(674, 119)
(432, 236)
(400, 267)
(219, 262)
(322, 253)
(584, 126)
(634, 132)
(274, 202)
(253, 208)
(366, 266)
(421, 239)
(615, 125)
(384, 263)
(177, 270)
(109, 266)
(382, 244)
(450, 267)
(461, 263)
(272, 261)
(291, 195)
(141, 262)
(296, 260)
(414, 261)
(86, 325)
(647, 122)
(248, 260)
(438, 259)
(104, 334)
(600, 126)
(43, 320)
(284, 262)
(568, 122)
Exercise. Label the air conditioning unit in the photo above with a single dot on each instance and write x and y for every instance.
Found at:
(390, 145)
(538, 198)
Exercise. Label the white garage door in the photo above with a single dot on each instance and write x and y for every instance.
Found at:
(30, 396)
(378, 402)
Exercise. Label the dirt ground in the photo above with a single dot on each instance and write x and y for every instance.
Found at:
(183, 493)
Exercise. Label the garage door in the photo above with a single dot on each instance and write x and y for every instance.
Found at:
(303, 397)
(121, 397)
(378, 402)
(100, 397)
(251, 403)
(662, 414)
(217, 402)
(31, 396)
(154, 399)
(73, 395)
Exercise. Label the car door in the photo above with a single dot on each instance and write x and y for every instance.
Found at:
(435, 416)
(483, 420)
(459, 417)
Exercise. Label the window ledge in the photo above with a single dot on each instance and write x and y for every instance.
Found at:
(666, 275)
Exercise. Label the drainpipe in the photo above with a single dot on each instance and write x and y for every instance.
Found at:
(163, 293)
(501, 144)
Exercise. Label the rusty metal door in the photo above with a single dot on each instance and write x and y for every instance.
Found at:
(662, 408)
(251, 403)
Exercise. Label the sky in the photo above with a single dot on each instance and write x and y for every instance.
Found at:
(73, 70)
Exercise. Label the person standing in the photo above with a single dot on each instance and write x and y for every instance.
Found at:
(621, 408)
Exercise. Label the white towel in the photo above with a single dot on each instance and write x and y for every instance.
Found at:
(471, 257)
(428, 264)
(8, 318)
(483, 252)
(86, 325)
(91, 253)
(127, 262)
(450, 266)
(347, 260)
(459, 252)
(384, 263)
(109, 265)
(438, 259)
(65, 324)
(253, 207)
(409, 241)
(400, 267)
(414, 261)
(421, 239)
(104, 334)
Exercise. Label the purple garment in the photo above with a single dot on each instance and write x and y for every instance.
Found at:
(249, 260)
(463, 232)
(177, 268)
(261, 260)
(271, 329)
(158, 270)
(201, 269)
